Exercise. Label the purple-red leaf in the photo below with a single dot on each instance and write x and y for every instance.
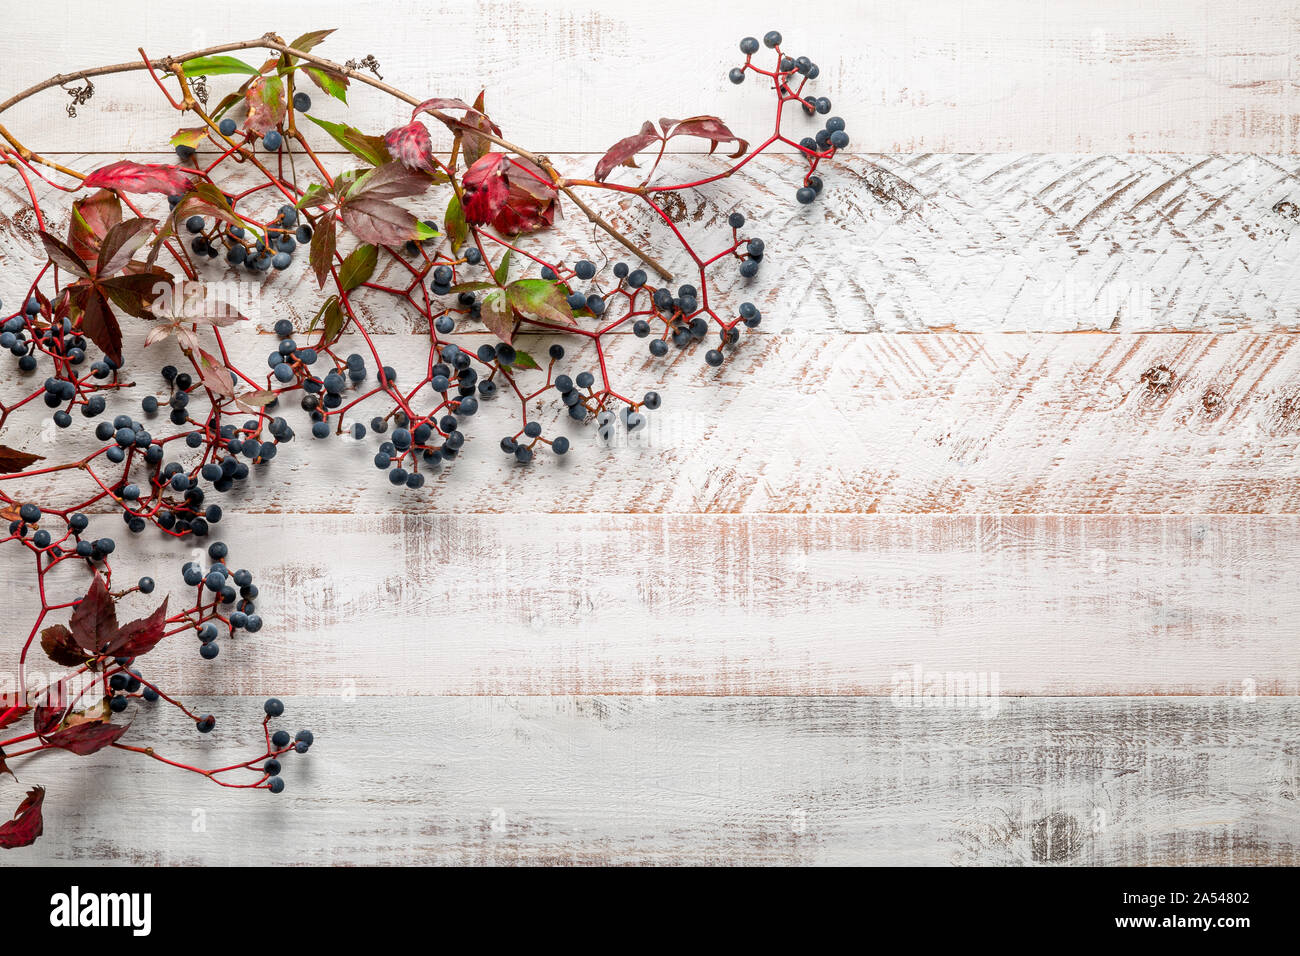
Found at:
(121, 243)
(130, 177)
(389, 181)
(622, 152)
(380, 221)
(63, 257)
(27, 823)
(60, 646)
(85, 739)
(99, 322)
(707, 127)
(321, 253)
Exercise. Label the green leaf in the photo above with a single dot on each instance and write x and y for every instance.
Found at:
(424, 231)
(540, 299)
(227, 101)
(457, 229)
(189, 137)
(503, 269)
(333, 319)
(216, 66)
(335, 84)
(331, 314)
(317, 194)
(472, 286)
(358, 267)
(524, 360)
(369, 148)
(308, 41)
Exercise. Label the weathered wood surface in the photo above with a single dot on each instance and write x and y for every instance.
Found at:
(1109, 424)
(747, 605)
(750, 580)
(948, 76)
(662, 780)
(985, 243)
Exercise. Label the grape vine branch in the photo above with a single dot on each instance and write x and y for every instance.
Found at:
(122, 264)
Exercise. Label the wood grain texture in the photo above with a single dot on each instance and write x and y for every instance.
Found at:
(662, 780)
(745, 605)
(949, 76)
(1000, 243)
(1105, 424)
(843, 524)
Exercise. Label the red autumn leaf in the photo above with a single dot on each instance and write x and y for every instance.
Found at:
(707, 127)
(12, 460)
(411, 145)
(141, 636)
(486, 188)
(27, 823)
(11, 715)
(92, 217)
(94, 619)
(130, 177)
(530, 203)
(85, 739)
(622, 152)
(46, 715)
(441, 103)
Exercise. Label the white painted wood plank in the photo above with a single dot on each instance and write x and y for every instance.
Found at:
(949, 76)
(752, 605)
(705, 781)
(999, 242)
(846, 423)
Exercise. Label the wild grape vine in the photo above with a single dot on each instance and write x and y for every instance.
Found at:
(147, 244)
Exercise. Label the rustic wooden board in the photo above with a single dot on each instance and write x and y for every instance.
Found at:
(746, 605)
(984, 243)
(1109, 424)
(1077, 76)
(880, 480)
(663, 780)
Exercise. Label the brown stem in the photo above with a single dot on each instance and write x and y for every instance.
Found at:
(270, 41)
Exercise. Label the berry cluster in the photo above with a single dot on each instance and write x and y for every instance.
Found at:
(464, 267)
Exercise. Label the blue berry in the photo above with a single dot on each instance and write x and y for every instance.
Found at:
(749, 46)
(276, 784)
(272, 141)
(274, 707)
(301, 102)
(772, 39)
(227, 127)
